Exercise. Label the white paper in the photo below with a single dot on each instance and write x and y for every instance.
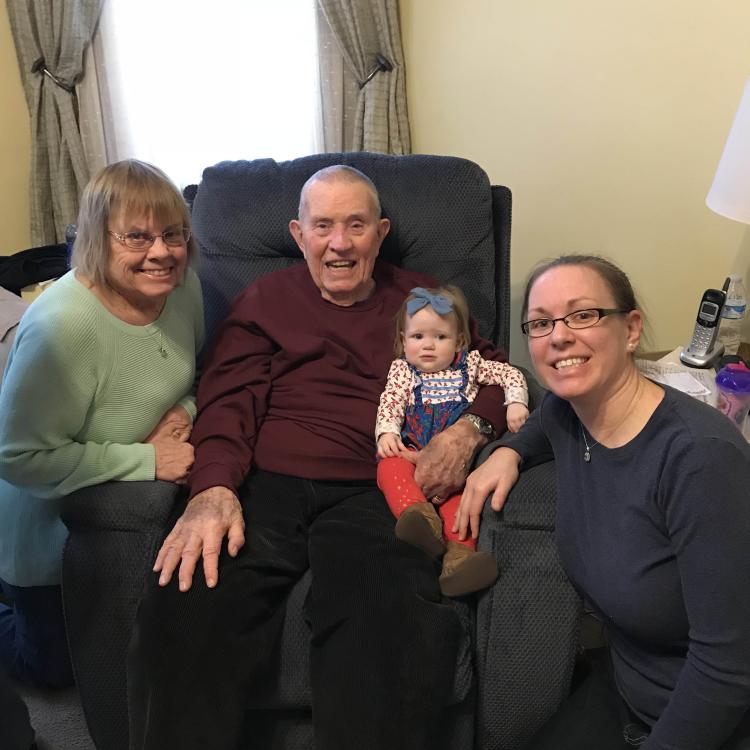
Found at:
(686, 383)
(699, 383)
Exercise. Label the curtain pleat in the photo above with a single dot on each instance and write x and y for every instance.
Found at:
(51, 37)
(362, 29)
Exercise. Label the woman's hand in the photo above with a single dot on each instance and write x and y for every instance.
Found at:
(175, 423)
(174, 458)
(199, 532)
(174, 455)
(389, 444)
(495, 476)
(515, 416)
(442, 464)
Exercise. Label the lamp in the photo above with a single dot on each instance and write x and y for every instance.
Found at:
(730, 192)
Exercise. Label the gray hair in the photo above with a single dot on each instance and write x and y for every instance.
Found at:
(339, 173)
(133, 188)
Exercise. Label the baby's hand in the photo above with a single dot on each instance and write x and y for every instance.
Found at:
(389, 445)
(516, 415)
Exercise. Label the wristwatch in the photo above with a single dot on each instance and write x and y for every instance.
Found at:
(483, 426)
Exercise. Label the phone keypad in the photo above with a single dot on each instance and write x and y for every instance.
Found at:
(701, 339)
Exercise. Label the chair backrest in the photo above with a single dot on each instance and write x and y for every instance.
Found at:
(446, 220)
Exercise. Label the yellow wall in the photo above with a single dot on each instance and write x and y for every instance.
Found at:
(606, 120)
(15, 148)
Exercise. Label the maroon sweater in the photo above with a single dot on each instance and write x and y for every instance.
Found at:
(292, 382)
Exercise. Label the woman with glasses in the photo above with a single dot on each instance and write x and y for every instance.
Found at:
(653, 523)
(98, 387)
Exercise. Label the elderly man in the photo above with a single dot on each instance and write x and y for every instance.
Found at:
(285, 471)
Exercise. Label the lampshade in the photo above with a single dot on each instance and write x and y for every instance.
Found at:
(730, 193)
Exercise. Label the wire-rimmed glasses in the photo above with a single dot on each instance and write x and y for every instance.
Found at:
(576, 320)
(173, 237)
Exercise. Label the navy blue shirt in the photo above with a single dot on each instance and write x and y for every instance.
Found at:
(656, 535)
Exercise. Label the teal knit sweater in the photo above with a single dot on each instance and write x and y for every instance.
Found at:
(82, 390)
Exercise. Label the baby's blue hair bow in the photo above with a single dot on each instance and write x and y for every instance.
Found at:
(421, 297)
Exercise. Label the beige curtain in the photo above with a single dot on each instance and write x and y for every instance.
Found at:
(373, 117)
(51, 37)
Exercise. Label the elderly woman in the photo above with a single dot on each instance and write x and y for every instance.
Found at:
(98, 387)
(653, 523)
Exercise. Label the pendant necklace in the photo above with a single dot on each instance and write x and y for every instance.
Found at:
(587, 452)
(161, 348)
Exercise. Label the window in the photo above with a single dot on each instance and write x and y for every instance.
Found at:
(193, 83)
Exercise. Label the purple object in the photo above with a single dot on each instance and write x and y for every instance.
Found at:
(734, 392)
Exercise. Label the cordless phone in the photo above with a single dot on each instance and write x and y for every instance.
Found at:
(703, 348)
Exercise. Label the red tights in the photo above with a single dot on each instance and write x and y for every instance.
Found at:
(396, 482)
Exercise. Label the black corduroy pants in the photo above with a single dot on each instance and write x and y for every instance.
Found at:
(383, 646)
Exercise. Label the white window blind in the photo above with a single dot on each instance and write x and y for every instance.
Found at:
(195, 82)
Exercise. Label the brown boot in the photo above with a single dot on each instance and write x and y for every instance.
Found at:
(421, 526)
(466, 571)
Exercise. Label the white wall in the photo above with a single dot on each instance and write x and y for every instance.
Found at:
(606, 120)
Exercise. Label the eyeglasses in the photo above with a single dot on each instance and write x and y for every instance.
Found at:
(144, 240)
(578, 319)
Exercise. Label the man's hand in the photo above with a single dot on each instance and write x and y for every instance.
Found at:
(495, 476)
(389, 445)
(443, 463)
(199, 532)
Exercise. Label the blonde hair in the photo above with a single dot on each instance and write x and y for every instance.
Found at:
(132, 188)
(460, 314)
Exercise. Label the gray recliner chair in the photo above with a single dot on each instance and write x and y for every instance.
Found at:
(517, 659)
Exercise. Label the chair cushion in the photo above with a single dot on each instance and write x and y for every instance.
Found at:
(440, 209)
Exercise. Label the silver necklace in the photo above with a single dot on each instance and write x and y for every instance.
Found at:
(162, 350)
(587, 452)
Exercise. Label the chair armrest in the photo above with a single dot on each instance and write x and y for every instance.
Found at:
(527, 623)
(123, 506)
(115, 529)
